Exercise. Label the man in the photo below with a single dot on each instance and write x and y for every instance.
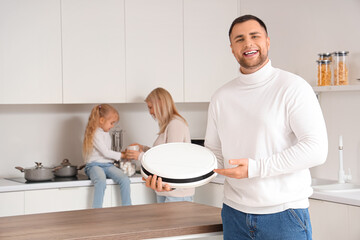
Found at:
(266, 129)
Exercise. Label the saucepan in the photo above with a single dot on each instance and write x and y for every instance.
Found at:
(67, 170)
(38, 173)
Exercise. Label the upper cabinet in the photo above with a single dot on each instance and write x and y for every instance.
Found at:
(30, 52)
(93, 38)
(208, 60)
(114, 51)
(154, 48)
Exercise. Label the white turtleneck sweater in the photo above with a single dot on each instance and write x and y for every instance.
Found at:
(271, 117)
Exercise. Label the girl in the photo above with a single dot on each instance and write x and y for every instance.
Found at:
(99, 157)
(173, 128)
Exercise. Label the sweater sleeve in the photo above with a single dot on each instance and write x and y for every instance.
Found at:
(307, 124)
(100, 145)
(212, 140)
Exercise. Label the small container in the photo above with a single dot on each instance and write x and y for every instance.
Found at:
(325, 56)
(117, 140)
(341, 69)
(324, 72)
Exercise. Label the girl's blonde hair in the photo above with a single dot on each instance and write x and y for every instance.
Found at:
(164, 107)
(99, 111)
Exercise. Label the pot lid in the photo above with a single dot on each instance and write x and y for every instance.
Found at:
(66, 162)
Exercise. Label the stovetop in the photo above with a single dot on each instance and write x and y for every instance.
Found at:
(79, 177)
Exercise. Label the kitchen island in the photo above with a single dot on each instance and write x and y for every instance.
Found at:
(130, 222)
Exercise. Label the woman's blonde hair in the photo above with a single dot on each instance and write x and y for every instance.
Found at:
(99, 111)
(164, 107)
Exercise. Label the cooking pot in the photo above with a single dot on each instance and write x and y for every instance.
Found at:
(66, 169)
(37, 173)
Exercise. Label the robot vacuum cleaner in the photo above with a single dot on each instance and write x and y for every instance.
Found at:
(181, 165)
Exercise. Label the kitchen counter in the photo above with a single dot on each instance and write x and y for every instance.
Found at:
(130, 222)
(11, 186)
(350, 198)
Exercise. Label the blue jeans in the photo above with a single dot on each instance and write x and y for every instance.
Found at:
(291, 224)
(98, 172)
(164, 199)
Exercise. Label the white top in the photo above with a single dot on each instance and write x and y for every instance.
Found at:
(176, 131)
(102, 152)
(273, 118)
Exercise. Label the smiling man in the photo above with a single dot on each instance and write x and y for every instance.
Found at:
(266, 128)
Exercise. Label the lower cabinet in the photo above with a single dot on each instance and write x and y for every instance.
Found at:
(333, 221)
(11, 204)
(140, 194)
(210, 194)
(68, 199)
(62, 199)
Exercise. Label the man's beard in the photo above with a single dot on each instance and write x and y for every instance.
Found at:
(253, 65)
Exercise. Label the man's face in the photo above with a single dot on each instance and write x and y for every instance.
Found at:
(250, 45)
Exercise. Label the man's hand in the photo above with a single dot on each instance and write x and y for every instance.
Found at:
(239, 172)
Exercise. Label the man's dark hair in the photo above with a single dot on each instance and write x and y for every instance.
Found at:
(245, 18)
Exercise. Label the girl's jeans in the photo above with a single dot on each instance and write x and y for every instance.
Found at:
(164, 199)
(98, 172)
(291, 224)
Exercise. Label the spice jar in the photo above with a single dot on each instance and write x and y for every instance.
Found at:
(325, 56)
(324, 72)
(340, 68)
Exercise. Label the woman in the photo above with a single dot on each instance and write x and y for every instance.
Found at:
(172, 128)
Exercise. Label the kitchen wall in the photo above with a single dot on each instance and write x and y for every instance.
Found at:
(298, 31)
(50, 133)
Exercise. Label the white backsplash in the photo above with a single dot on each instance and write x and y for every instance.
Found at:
(50, 133)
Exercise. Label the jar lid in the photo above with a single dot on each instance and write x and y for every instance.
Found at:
(324, 54)
(341, 53)
(323, 61)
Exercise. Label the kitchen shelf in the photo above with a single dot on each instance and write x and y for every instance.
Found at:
(344, 88)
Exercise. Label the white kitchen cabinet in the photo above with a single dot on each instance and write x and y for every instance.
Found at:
(93, 38)
(30, 50)
(11, 203)
(154, 48)
(208, 60)
(333, 221)
(210, 194)
(140, 194)
(354, 220)
(62, 199)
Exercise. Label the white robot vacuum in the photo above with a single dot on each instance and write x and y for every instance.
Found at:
(181, 165)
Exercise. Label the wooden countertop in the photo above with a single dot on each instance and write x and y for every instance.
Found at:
(130, 222)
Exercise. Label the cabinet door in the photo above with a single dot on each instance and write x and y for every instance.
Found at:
(210, 194)
(140, 194)
(354, 220)
(12, 203)
(154, 48)
(93, 51)
(208, 59)
(30, 50)
(62, 199)
(329, 220)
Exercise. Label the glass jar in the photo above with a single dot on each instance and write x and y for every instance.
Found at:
(341, 70)
(325, 56)
(324, 72)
